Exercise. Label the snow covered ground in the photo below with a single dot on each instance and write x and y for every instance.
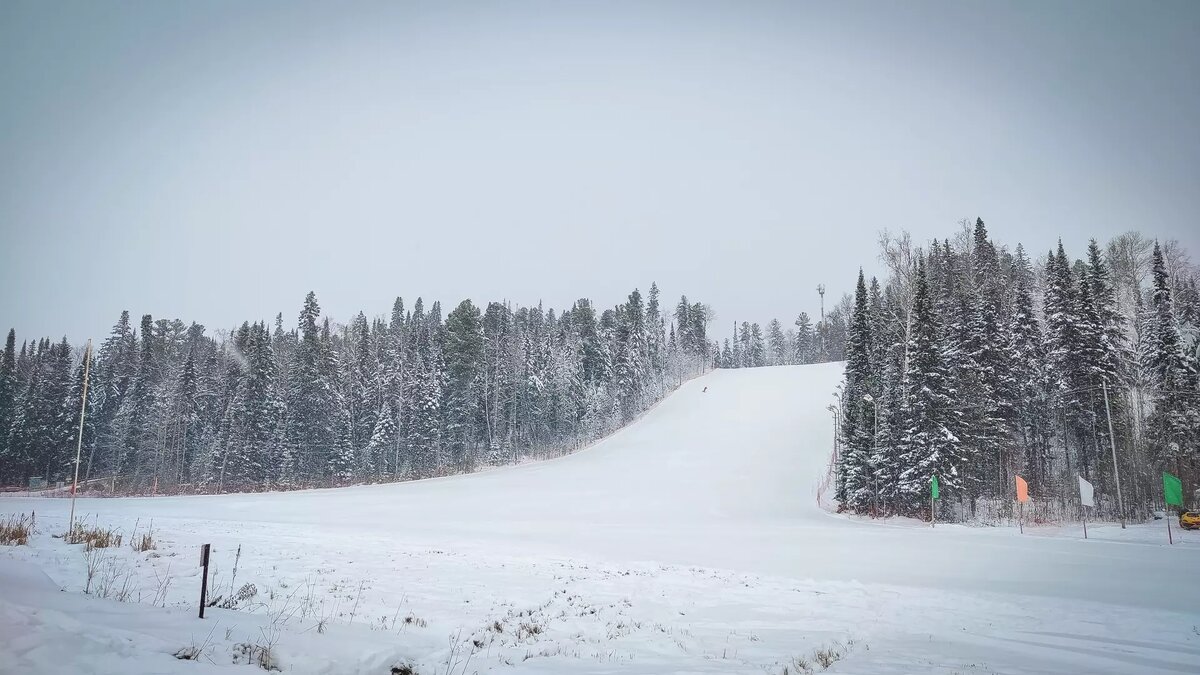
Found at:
(689, 542)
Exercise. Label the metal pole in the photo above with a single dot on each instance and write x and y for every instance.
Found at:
(1113, 442)
(875, 449)
(204, 552)
(87, 362)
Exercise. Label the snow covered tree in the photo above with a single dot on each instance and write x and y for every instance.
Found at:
(858, 420)
(930, 448)
(777, 350)
(310, 436)
(464, 359)
(8, 401)
(805, 351)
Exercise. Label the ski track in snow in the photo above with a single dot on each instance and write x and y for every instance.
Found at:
(687, 542)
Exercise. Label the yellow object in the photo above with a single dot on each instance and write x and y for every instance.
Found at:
(1190, 520)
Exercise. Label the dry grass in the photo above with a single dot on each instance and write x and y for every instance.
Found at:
(145, 541)
(94, 536)
(821, 659)
(15, 530)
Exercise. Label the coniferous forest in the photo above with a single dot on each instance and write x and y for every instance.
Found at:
(173, 408)
(978, 363)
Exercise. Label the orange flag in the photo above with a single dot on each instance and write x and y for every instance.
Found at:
(1022, 490)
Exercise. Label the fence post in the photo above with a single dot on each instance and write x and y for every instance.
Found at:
(204, 551)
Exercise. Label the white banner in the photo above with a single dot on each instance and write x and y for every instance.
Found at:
(1086, 495)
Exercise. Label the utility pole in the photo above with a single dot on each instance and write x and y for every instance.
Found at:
(821, 326)
(1113, 443)
(837, 474)
(87, 363)
(871, 399)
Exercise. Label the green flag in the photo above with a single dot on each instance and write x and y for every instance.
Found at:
(933, 487)
(1172, 489)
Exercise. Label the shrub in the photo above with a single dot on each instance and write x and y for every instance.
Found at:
(15, 530)
(144, 542)
(94, 536)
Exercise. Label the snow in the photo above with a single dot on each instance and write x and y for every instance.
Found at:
(688, 542)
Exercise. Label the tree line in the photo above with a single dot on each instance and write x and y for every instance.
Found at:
(976, 364)
(171, 407)
(806, 343)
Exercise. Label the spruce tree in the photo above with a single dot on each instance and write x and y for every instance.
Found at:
(930, 447)
(8, 383)
(757, 349)
(310, 435)
(464, 360)
(1173, 420)
(1028, 352)
(629, 369)
(138, 407)
(805, 340)
(776, 345)
(858, 421)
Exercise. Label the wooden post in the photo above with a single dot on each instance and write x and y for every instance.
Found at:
(204, 551)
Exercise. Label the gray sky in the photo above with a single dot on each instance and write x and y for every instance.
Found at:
(214, 161)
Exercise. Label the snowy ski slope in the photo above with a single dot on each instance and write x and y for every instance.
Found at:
(709, 489)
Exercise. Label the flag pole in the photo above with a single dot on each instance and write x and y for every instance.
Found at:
(87, 362)
(1083, 510)
(932, 497)
(1170, 538)
(1021, 516)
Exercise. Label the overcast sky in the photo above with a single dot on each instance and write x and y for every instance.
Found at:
(214, 161)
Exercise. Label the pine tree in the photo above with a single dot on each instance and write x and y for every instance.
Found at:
(655, 339)
(738, 354)
(340, 462)
(990, 405)
(757, 349)
(858, 423)
(383, 446)
(111, 381)
(310, 435)
(629, 370)
(776, 345)
(930, 447)
(263, 412)
(362, 391)
(464, 359)
(138, 407)
(1028, 353)
(805, 347)
(8, 401)
(1173, 420)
